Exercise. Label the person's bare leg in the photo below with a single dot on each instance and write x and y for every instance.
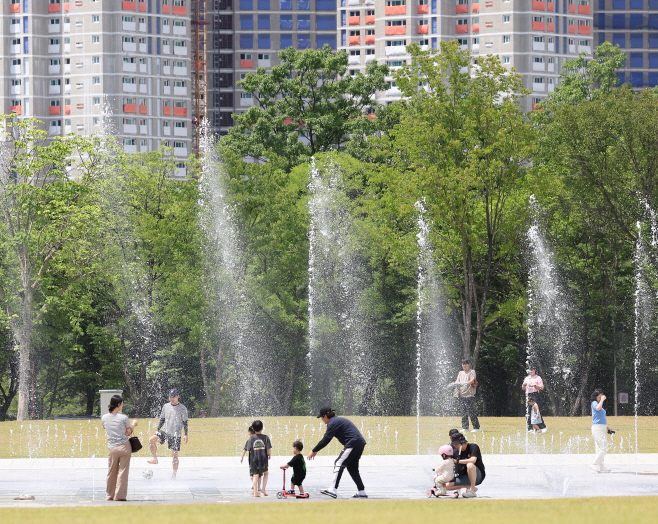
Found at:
(255, 480)
(153, 446)
(472, 472)
(174, 461)
(292, 486)
(264, 483)
(301, 489)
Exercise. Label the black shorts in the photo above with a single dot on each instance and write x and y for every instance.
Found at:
(297, 481)
(173, 442)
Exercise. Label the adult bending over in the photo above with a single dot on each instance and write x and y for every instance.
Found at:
(118, 429)
(468, 466)
(600, 431)
(352, 440)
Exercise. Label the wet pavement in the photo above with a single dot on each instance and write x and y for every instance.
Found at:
(81, 482)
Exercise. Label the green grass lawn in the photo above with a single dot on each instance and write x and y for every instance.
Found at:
(385, 436)
(614, 510)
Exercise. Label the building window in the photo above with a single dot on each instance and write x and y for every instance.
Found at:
(95, 18)
(95, 39)
(96, 60)
(97, 80)
(506, 60)
(505, 39)
(506, 19)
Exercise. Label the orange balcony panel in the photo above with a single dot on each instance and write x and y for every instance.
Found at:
(370, 39)
(142, 109)
(488, 4)
(395, 30)
(79, 106)
(78, 3)
(246, 63)
(550, 6)
(538, 26)
(16, 109)
(67, 110)
(67, 7)
(179, 9)
(534, 105)
(475, 8)
(423, 29)
(370, 19)
(142, 7)
(53, 8)
(584, 30)
(571, 29)
(130, 108)
(55, 110)
(15, 8)
(287, 121)
(354, 40)
(354, 20)
(475, 28)
(538, 6)
(371, 116)
(128, 6)
(165, 9)
(166, 110)
(461, 8)
(395, 10)
(423, 9)
(488, 24)
(551, 27)
(572, 8)
(584, 10)
(180, 111)
(461, 28)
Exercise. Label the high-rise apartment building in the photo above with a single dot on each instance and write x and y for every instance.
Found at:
(64, 61)
(633, 26)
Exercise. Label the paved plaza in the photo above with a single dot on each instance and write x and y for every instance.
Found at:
(76, 482)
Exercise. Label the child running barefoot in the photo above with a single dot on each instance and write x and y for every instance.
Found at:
(298, 466)
(445, 470)
(535, 417)
(260, 452)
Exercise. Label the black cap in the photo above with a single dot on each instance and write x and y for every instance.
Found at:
(324, 411)
(458, 437)
(174, 392)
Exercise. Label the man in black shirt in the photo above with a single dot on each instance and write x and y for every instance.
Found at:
(350, 437)
(468, 466)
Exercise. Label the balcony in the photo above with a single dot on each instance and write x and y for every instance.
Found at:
(129, 88)
(67, 28)
(130, 150)
(551, 48)
(55, 130)
(180, 151)
(16, 48)
(180, 111)
(550, 6)
(180, 172)
(142, 48)
(395, 10)
(53, 69)
(550, 27)
(67, 69)
(67, 48)
(179, 9)
(142, 88)
(538, 46)
(396, 50)
(54, 90)
(166, 50)
(538, 26)
(54, 28)
(572, 8)
(182, 131)
(538, 6)
(142, 68)
(166, 110)
(584, 49)
(246, 102)
(423, 9)
(550, 68)
(461, 28)
(572, 48)
(130, 67)
(584, 10)
(15, 8)
(53, 8)
(130, 129)
(183, 70)
(129, 6)
(55, 110)
(393, 91)
(166, 29)
(538, 66)
(475, 8)
(166, 90)
(354, 60)
(370, 19)
(166, 70)
(571, 29)
(15, 69)
(129, 26)
(354, 40)
(14, 28)
(67, 7)
(353, 20)
(584, 30)
(16, 90)
(539, 87)
(166, 131)
(370, 39)
(142, 7)
(180, 50)
(179, 30)
(475, 28)
(130, 47)
(461, 8)
(425, 29)
(165, 9)
(142, 130)
(180, 91)
(551, 88)
(67, 110)
(395, 30)
(17, 110)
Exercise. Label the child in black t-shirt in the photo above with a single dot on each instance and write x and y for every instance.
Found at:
(298, 466)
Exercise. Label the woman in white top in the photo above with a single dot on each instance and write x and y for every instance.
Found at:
(118, 429)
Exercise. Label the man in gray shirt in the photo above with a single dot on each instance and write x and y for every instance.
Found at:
(173, 421)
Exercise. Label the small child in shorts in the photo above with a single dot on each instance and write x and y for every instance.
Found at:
(535, 417)
(445, 470)
(298, 466)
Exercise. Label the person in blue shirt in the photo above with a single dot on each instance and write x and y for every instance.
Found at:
(352, 440)
(600, 431)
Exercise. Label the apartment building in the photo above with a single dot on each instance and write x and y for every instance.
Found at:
(633, 26)
(68, 62)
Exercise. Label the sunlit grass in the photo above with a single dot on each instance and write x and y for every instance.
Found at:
(385, 436)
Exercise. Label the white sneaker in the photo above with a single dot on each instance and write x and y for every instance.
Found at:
(441, 490)
(468, 494)
(478, 430)
(329, 492)
(594, 467)
(604, 469)
(464, 431)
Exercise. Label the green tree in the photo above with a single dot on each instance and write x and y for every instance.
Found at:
(305, 105)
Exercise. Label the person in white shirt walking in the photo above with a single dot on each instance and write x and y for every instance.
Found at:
(465, 394)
